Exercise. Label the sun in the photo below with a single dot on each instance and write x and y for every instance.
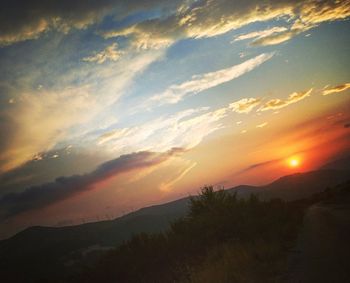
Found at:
(293, 162)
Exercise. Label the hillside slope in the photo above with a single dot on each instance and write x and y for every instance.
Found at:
(53, 250)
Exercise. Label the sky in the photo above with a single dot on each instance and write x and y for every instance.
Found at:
(109, 106)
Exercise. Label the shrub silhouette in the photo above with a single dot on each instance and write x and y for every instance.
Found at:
(222, 239)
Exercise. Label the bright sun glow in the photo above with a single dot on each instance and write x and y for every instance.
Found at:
(294, 162)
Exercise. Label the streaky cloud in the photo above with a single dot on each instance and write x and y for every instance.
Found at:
(199, 83)
(277, 103)
(109, 53)
(184, 129)
(276, 38)
(166, 186)
(22, 20)
(62, 188)
(336, 89)
(29, 19)
(262, 125)
(259, 34)
(245, 105)
(200, 20)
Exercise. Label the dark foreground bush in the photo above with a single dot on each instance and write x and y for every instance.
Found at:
(222, 239)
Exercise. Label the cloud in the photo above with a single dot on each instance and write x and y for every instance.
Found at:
(276, 103)
(199, 83)
(142, 40)
(262, 125)
(37, 197)
(22, 20)
(109, 53)
(184, 129)
(336, 89)
(28, 19)
(166, 186)
(276, 38)
(245, 105)
(69, 106)
(201, 19)
(259, 34)
(259, 165)
(307, 16)
(39, 121)
(43, 167)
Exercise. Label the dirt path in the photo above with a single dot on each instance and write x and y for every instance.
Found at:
(322, 253)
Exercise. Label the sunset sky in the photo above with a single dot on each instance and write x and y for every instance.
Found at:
(107, 106)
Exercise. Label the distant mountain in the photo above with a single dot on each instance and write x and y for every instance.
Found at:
(339, 164)
(302, 185)
(50, 250)
(62, 250)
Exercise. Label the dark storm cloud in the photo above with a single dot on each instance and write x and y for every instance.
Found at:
(64, 187)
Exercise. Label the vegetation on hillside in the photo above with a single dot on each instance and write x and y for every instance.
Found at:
(222, 239)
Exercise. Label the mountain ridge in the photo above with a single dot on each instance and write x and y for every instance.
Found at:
(269, 190)
(57, 249)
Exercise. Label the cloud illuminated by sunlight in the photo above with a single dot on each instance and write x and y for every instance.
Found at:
(336, 89)
(277, 103)
(259, 34)
(199, 83)
(245, 105)
(109, 53)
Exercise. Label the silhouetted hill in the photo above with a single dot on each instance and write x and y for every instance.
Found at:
(296, 186)
(301, 185)
(52, 250)
(339, 164)
(49, 250)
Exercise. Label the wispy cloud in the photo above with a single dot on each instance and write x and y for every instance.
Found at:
(336, 89)
(245, 105)
(262, 125)
(29, 19)
(259, 34)
(39, 121)
(184, 129)
(275, 35)
(166, 186)
(37, 197)
(78, 101)
(181, 19)
(199, 83)
(109, 53)
(276, 38)
(277, 103)
(20, 22)
(187, 128)
(199, 20)
(258, 166)
(142, 40)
